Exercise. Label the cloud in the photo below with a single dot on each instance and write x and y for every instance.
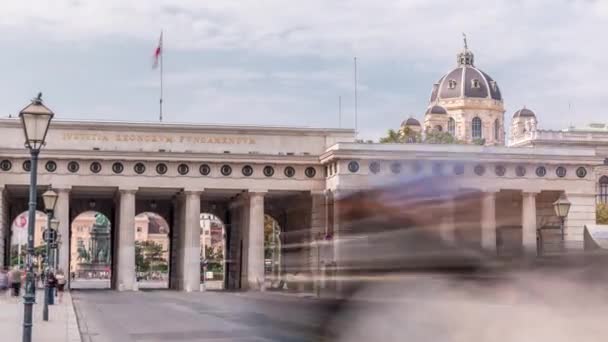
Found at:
(273, 58)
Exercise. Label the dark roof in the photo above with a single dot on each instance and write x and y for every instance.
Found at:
(487, 87)
(157, 225)
(436, 109)
(524, 113)
(410, 122)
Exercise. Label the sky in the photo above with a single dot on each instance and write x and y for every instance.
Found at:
(287, 63)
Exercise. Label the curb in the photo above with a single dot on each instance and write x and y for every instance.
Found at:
(72, 326)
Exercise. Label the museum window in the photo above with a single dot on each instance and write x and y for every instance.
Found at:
(581, 172)
(475, 83)
(139, 168)
(496, 130)
(183, 169)
(50, 166)
(353, 166)
(226, 170)
(73, 167)
(452, 126)
(247, 170)
(452, 84)
(95, 167)
(117, 167)
(204, 169)
(500, 170)
(374, 167)
(289, 171)
(438, 128)
(268, 171)
(603, 189)
(310, 172)
(476, 128)
(161, 168)
(6, 165)
(541, 171)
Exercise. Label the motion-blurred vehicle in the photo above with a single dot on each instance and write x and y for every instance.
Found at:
(410, 267)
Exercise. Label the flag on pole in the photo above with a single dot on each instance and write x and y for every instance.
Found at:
(158, 51)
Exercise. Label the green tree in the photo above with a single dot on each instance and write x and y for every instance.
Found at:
(141, 264)
(15, 254)
(149, 256)
(392, 137)
(601, 213)
(439, 137)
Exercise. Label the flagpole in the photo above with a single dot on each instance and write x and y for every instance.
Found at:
(356, 114)
(162, 52)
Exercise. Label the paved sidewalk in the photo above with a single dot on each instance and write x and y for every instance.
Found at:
(61, 327)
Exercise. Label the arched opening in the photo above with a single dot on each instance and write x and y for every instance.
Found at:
(151, 251)
(272, 252)
(603, 189)
(452, 126)
(438, 128)
(476, 128)
(213, 251)
(90, 251)
(18, 249)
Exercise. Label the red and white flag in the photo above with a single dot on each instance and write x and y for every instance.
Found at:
(158, 52)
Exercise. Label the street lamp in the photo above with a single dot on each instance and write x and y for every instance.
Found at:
(35, 119)
(562, 206)
(50, 200)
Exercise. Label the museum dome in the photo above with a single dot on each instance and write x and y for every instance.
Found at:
(410, 122)
(466, 81)
(436, 109)
(524, 113)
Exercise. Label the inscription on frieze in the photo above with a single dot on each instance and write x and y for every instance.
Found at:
(161, 138)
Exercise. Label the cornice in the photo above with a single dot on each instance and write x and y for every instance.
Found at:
(133, 126)
(463, 153)
(167, 156)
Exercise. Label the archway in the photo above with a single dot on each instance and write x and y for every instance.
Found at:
(213, 251)
(152, 247)
(18, 248)
(273, 263)
(90, 251)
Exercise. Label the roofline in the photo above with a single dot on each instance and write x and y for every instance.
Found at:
(119, 125)
(442, 151)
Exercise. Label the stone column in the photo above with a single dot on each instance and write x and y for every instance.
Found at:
(255, 241)
(191, 242)
(3, 228)
(488, 221)
(337, 227)
(62, 213)
(318, 228)
(126, 241)
(529, 223)
(176, 234)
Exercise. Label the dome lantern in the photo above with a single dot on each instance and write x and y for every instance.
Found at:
(465, 57)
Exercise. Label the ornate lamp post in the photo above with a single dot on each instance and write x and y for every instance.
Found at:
(35, 119)
(50, 200)
(562, 207)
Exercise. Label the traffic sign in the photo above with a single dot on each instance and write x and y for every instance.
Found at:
(49, 235)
